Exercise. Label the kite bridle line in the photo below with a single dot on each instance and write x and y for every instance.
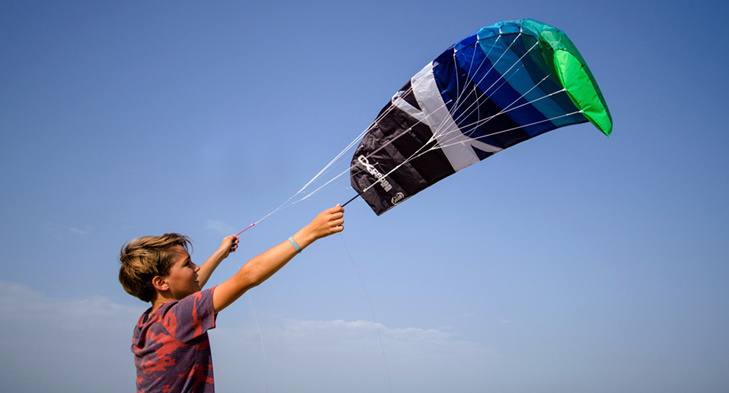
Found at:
(438, 131)
(440, 138)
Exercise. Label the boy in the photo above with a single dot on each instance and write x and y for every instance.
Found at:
(170, 342)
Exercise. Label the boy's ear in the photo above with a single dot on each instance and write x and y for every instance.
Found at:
(160, 284)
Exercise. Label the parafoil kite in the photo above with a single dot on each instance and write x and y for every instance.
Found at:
(507, 83)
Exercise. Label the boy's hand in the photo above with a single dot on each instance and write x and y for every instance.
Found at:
(264, 265)
(229, 244)
(328, 222)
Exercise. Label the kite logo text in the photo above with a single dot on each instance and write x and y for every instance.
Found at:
(374, 172)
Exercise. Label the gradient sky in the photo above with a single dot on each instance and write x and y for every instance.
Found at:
(570, 263)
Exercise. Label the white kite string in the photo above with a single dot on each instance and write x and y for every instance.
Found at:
(440, 132)
(328, 166)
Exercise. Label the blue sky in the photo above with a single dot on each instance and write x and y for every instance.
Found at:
(570, 263)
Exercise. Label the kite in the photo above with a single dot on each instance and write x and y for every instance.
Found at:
(506, 83)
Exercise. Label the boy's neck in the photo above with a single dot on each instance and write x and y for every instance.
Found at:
(160, 300)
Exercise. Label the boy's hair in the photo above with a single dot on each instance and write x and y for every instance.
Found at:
(146, 257)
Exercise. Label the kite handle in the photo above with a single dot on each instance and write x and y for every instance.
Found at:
(249, 227)
(353, 198)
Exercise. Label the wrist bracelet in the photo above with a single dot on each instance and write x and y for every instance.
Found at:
(296, 245)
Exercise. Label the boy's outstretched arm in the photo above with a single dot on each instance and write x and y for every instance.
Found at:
(229, 244)
(263, 266)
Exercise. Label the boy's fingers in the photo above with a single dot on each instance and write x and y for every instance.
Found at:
(234, 243)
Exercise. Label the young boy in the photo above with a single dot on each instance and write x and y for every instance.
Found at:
(170, 342)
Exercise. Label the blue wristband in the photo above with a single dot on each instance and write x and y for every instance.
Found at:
(293, 243)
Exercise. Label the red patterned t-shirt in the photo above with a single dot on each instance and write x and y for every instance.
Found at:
(171, 346)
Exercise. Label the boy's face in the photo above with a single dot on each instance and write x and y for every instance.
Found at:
(182, 279)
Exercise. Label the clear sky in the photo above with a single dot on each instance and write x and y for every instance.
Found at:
(570, 263)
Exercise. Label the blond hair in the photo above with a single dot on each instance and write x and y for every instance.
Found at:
(146, 257)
